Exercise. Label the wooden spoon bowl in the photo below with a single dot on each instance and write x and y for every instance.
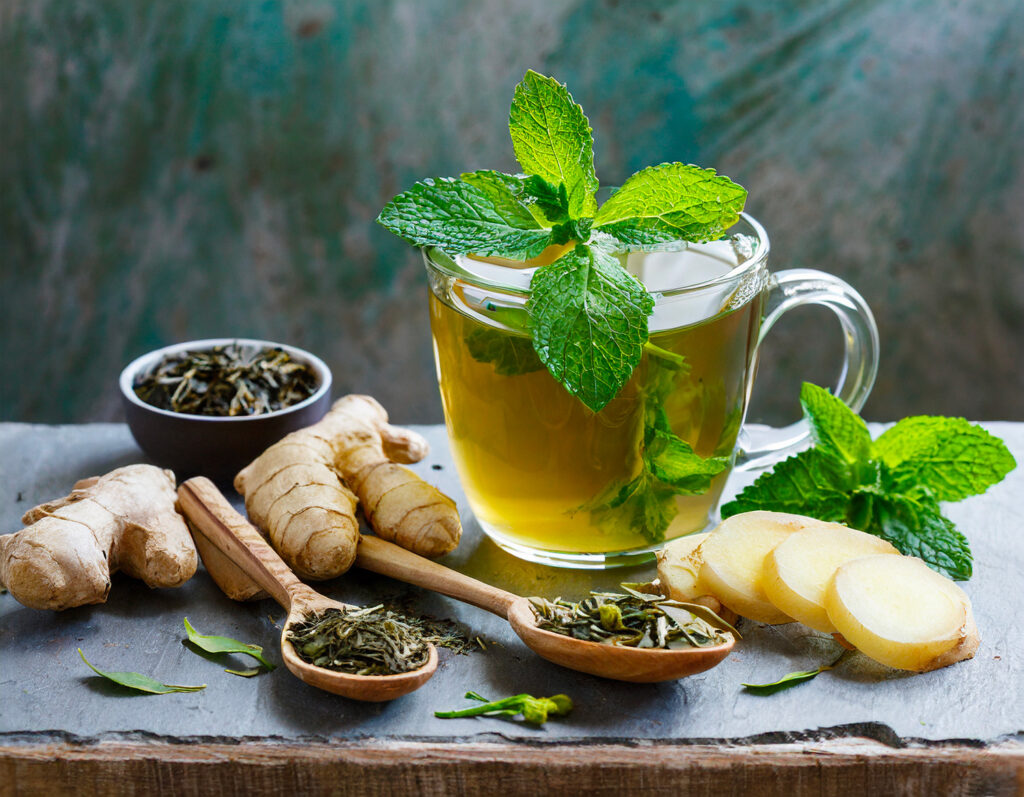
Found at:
(216, 523)
(617, 662)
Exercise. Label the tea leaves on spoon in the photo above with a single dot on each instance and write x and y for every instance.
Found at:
(223, 644)
(633, 620)
(139, 682)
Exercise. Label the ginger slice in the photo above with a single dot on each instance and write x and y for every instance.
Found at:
(898, 611)
(125, 520)
(679, 563)
(798, 571)
(733, 562)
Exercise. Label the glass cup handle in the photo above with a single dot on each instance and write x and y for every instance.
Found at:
(759, 448)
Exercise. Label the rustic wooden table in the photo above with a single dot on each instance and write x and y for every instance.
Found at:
(857, 729)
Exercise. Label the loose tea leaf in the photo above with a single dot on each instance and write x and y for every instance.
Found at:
(635, 620)
(370, 641)
(227, 381)
(223, 644)
(535, 710)
(791, 679)
(139, 682)
(245, 673)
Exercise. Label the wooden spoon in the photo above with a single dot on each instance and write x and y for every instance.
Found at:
(208, 510)
(620, 663)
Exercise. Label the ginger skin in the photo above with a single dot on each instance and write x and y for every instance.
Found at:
(302, 491)
(125, 520)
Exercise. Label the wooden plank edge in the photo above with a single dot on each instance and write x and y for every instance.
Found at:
(832, 767)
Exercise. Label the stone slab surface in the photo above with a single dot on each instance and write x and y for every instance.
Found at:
(47, 692)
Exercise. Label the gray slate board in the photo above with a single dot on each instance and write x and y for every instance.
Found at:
(47, 692)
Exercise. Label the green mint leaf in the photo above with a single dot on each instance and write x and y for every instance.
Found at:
(951, 457)
(643, 506)
(553, 140)
(835, 428)
(671, 202)
(460, 218)
(139, 682)
(674, 462)
(548, 204)
(510, 355)
(916, 527)
(223, 644)
(589, 323)
(809, 483)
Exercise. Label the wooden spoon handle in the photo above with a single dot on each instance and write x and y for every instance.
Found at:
(207, 508)
(389, 559)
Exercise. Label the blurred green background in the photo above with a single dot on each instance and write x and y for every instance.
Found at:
(173, 170)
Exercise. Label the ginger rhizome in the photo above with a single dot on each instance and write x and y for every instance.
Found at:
(125, 520)
(302, 491)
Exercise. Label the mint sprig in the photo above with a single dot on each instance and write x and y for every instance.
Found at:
(592, 352)
(890, 487)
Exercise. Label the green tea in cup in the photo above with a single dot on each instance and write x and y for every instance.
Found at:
(596, 362)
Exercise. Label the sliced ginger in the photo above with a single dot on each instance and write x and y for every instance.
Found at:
(302, 491)
(899, 612)
(733, 562)
(125, 520)
(679, 563)
(798, 571)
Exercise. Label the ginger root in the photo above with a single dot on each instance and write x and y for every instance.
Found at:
(125, 520)
(302, 491)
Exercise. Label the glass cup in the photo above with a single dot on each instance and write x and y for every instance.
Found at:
(553, 482)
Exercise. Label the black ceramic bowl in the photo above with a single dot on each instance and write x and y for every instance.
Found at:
(216, 447)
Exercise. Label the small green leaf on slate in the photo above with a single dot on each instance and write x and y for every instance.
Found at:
(835, 428)
(671, 202)
(589, 322)
(139, 682)
(785, 682)
(244, 673)
(951, 457)
(223, 644)
(460, 218)
(553, 140)
(793, 678)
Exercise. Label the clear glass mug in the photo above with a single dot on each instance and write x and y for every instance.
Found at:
(552, 482)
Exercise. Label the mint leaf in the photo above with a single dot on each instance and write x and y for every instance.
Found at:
(951, 457)
(809, 483)
(917, 528)
(835, 428)
(642, 506)
(589, 323)
(673, 462)
(548, 204)
(671, 202)
(553, 140)
(510, 355)
(460, 218)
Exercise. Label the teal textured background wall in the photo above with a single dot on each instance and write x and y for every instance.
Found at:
(175, 170)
